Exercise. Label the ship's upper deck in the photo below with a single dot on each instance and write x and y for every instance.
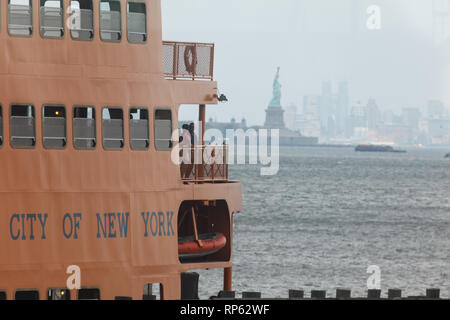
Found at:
(80, 58)
(95, 38)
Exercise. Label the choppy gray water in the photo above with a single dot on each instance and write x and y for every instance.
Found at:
(331, 212)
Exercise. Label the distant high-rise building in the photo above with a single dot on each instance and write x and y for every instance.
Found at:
(441, 21)
(308, 125)
(436, 109)
(342, 102)
(311, 105)
(439, 130)
(358, 118)
(358, 111)
(326, 106)
(331, 109)
(388, 117)
(289, 116)
(411, 117)
(373, 114)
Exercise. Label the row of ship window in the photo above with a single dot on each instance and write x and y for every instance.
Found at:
(152, 291)
(54, 127)
(80, 19)
(54, 294)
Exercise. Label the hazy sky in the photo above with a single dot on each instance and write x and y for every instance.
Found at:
(313, 41)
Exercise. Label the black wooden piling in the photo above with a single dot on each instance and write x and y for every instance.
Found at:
(394, 294)
(433, 293)
(318, 294)
(296, 294)
(189, 286)
(342, 293)
(251, 295)
(227, 295)
(373, 294)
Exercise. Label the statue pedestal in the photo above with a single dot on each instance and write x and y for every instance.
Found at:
(274, 118)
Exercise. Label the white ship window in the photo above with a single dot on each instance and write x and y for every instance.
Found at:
(139, 129)
(54, 127)
(163, 129)
(22, 126)
(110, 20)
(81, 19)
(136, 22)
(84, 128)
(1, 126)
(20, 17)
(51, 15)
(112, 125)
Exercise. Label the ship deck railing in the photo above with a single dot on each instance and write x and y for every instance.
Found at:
(210, 164)
(188, 60)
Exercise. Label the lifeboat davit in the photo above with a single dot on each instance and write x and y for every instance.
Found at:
(189, 248)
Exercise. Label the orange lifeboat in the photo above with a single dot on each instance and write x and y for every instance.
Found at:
(206, 244)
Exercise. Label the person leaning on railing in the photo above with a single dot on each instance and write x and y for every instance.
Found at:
(186, 147)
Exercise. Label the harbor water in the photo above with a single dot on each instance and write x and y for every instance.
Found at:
(330, 213)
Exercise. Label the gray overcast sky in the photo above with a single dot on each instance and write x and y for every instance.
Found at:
(313, 41)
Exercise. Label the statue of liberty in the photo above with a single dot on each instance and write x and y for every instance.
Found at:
(276, 99)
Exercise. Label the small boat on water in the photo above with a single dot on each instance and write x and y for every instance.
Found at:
(206, 244)
(377, 148)
(447, 155)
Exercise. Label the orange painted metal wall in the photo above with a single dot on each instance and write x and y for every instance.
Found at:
(59, 182)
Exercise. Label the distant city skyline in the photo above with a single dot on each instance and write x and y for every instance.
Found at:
(315, 41)
(331, 117)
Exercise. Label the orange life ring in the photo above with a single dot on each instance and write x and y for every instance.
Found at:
(189, 54)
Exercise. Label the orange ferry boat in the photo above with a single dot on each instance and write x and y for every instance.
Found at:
(89, 98)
